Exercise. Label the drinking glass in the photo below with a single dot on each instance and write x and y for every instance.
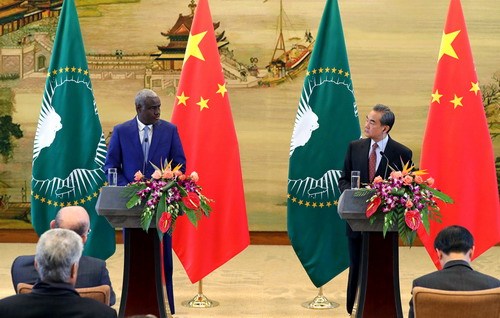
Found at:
(112, 177)
(355, 179)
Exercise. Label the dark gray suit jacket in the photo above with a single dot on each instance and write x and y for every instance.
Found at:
(91, 272)
(53, 300)
(455, 275)
(395, 156)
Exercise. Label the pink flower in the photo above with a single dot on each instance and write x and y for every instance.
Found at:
(408, 204)
(138, 176)
(191, 201)
(413, 219)
(430, 181)
(182, 177)
(407, 179)
(418, 179)
(194, 176)
(177, 173)
(378, 179)
(396, 174)
(373, 206)
(168, 174)
(165, 222)
(156, 175)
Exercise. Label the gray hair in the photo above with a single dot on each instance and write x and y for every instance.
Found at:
(388, 118)
(143, 95)
(56, 251)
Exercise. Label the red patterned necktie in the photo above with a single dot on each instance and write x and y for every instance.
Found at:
(372, 163)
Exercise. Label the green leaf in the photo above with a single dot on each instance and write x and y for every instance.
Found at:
(425, 220)
(438, 194)
(162, 207)
(362, 192)
(146, 221)
(192, 216)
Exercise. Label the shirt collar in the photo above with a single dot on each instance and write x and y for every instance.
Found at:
(381, 144)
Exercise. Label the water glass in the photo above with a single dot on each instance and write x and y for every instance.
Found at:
(112, 177)
(355, 179)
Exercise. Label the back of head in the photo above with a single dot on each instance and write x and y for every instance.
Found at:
(455, 238)
(73, 218)
(57, 251)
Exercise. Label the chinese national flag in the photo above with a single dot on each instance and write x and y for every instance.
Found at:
(203, 116)
(457, 149)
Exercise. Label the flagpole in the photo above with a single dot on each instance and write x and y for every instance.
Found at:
(320, 302)
(200, 300)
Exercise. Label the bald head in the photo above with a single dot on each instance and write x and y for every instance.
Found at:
(73, 218)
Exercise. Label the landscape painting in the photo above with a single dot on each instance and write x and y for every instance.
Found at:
(264, 46)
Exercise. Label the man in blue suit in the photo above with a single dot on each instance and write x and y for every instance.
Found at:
(160, 141)
(91, 271)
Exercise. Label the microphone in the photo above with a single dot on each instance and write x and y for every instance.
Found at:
(387, 163)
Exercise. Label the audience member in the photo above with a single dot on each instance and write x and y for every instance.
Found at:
(91, 271)
(57, 255)
(454, 246)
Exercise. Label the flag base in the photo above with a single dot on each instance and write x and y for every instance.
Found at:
(320, 302)
(200, 301)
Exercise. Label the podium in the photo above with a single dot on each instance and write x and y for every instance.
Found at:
(377, 293)
(142, 291)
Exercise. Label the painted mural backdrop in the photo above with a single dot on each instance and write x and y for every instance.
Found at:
(264, 44)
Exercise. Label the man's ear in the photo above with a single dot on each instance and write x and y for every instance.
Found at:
(53, 224)
(439, 254)
(471, 251)
(36, 265)
(74, 270)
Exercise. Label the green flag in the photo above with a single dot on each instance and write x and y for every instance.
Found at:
(326, 121)
(69, 148)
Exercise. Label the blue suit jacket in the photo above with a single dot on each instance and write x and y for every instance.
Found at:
(91, 272)
(125, 150)
(455, 275)
(125, 154)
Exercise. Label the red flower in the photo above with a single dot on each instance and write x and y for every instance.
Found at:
(373, 206)
(165, 222)
(413, 219)
(191, 201)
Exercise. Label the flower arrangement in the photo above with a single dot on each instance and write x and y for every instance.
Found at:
(405, 200)
(168, 194)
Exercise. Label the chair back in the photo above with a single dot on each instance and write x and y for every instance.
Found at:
(100, 293)
(431, 303)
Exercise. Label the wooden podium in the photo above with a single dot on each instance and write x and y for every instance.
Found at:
(377, 293)
(142, 291)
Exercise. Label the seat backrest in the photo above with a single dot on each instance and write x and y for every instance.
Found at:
(431, 303)
(100, 293)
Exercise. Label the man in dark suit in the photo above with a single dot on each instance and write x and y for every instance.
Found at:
(91, 271)
(371, 156)
(159, 139)
(454, 246)
(57, 255)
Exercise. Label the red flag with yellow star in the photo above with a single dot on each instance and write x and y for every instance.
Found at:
(203, 116)
(457, 150)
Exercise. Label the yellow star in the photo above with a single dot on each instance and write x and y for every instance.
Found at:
(346, 74)
(79, 70)
(61, 204)
(294, 199)
(193, 46)
(203, 103)
(182, 99)
(436, 97)
(314, 71)
(327, 69)
(54, 72)
(334, 70)
(321, 70)
(73, 69)
(446, 47)
(42, 199)
(307, 73)
(85, 72)
(314, 204)
(89, 198)
(61, 70)
(321, 205)
(222, 89)
(457, 101)
(328, 204)
(95, 194)
(475, 87)
(82, 201)
(75, 202)
(37, 196)
(307, 203)
(49, 202)
(301, 202)
(66, 69)
(336, 202)
(48, 74)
